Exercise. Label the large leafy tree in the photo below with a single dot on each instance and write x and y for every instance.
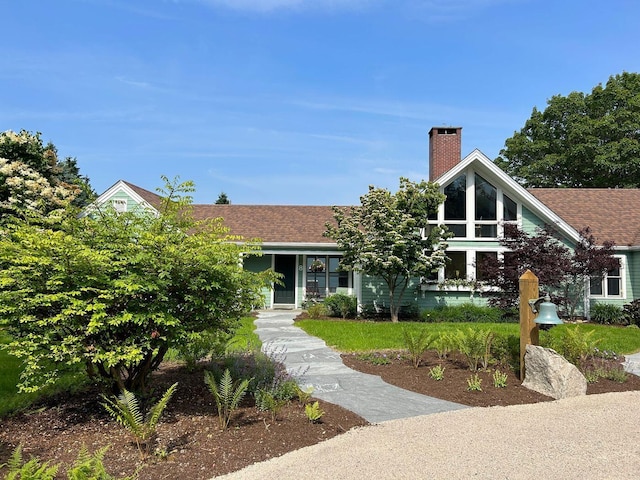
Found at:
(33, 180)
(561, 271)
(386, 236)
(581, 140)
(114, 292)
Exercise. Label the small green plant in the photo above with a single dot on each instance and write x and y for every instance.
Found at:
(267, 401)
(443, 344)
(313, 411)
(499, 379)
(416, 344)
(199, 345)
(474, 383)
(90, 467)
(304, 395)
(374, 358)
(31, 470)
(437, 372)
(125, 409)
(574, 343)
(227, 394)
(475, 345)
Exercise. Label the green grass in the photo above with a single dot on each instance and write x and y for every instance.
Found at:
(11, 367)
(245, 337)
(358, 336)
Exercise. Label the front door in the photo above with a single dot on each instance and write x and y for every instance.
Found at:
(285, 293)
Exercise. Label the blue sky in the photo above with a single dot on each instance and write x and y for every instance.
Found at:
(294, 101)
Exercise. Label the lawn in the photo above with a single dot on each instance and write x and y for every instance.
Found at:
(358, 336)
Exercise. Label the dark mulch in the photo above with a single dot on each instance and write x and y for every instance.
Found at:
(453, 386)
(190, 435)
(189, 432)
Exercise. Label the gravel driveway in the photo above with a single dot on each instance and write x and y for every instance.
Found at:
(594, 436)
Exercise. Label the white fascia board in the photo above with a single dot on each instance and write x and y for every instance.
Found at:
(484, 164)
(120, 185)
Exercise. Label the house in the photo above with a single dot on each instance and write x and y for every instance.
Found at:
(480, 200)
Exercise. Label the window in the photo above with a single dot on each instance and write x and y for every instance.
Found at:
(486, 209)
(610, 285)
(119, 204)
(482, 259)
(457, 267)
(323, 276)
(455, 206)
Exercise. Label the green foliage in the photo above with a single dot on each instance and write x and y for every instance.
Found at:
(317, 310)
(304, 395)
(505, 349)
(268, 401)
(383, 236)
(313, 412)
(90, 467)
(608, 314)
(341, 305)
(199, 345)
(581, 140)
(31, 470)
(85, 467)
(443, 344)
(499, 379)
(113, 292)
(227, 394)
(437, 372)
(34, 181)
(416, 343)
(474, 383)
(475, 345)
(126, 410)
(632, 312)
(574, 343)
(375, 358)
(371, 311)
(468, 313)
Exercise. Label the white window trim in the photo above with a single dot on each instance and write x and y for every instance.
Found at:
(623, 283)
(470, 268)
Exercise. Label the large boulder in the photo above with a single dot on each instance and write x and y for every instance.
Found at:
(551, 374)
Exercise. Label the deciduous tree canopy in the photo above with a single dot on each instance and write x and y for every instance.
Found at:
(385, 236)
(581, 140)
(114, 291)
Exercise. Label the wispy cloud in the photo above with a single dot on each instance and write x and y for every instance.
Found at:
(263, 6)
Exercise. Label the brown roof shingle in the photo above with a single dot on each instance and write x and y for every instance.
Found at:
(152, 198)
(272, 223)
(612, 214)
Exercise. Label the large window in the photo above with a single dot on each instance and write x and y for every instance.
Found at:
(323, 276)
(610, 285)
(456, 268)
(455, 206)
(475, 208)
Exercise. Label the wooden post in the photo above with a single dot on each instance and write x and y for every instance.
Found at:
(529, 332)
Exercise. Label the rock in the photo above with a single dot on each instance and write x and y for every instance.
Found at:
(551, 374)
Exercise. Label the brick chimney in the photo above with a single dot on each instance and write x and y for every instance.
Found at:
(445, 150)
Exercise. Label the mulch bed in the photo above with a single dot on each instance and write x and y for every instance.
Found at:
(192, 445)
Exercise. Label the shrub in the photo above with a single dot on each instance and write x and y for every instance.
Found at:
(505, 349)
(317, 310)
(632, 312)
(409, 312)
(608, 314)
(467, 312)
(199, 345)
(341, 305)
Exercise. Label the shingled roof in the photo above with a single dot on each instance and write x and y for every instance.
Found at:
(612, 214)
(272, 223)
(151, 198)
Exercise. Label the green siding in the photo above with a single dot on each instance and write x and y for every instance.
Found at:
(256, 265)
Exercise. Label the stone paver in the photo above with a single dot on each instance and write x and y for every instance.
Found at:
(316, 365)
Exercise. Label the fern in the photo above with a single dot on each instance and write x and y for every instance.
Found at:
(126, 411)
(90, 467)
(31, 470)
(416, 345)
(313, 411)
(227, 394)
